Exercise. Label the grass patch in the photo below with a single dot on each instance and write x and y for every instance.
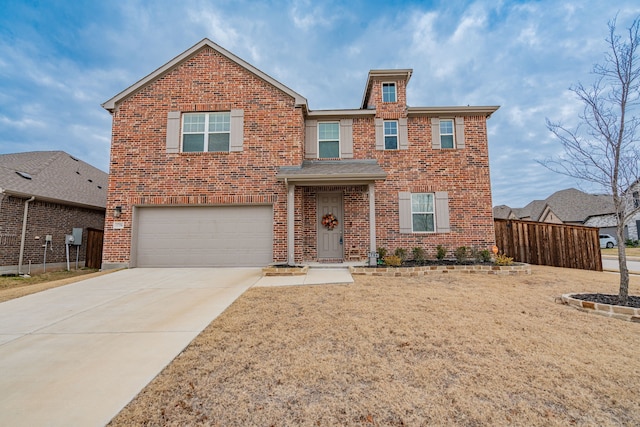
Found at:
(443, 350)
(635, 252)
(15, 286)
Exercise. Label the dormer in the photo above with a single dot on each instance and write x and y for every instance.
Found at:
(386, 91)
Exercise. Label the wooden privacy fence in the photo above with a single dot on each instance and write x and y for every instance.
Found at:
(557, 245)
(94, 248)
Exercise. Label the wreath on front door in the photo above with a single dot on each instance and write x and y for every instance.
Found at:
(330, 221)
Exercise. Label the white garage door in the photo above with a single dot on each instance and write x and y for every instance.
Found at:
(204, 236)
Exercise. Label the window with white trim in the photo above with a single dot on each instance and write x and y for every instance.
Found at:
(328, 140)
(422, 213)
(389, 92)
(390, 135)
(206, 132)
(447, 137)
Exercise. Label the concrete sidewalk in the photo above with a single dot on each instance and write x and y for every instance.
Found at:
(77, 354)
(314, 276)
(610, 263)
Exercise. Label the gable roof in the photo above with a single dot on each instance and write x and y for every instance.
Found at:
(573, 205)
(568, 205)
(53, 176)
(501, 212)
(111, 103)
(533, 210)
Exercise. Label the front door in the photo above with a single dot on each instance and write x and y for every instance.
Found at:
(330, 222)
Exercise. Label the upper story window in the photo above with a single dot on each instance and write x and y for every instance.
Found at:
(390, 135)
(422, 213)
(206, 132)
(328, 140)
(389, 92)
(446, 133)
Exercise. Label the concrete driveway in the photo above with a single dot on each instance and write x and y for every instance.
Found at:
(77, 354)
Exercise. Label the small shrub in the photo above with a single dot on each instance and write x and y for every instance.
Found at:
(393, 261)
(484, 255)
(461, 254)
(441, 252)
(632, 243)
(502, 259)
(401, 253)
(382, 252)
(418, 254)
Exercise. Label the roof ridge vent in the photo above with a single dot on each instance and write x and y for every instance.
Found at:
(25, 175)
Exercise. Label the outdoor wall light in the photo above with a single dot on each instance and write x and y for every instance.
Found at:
(117, 211)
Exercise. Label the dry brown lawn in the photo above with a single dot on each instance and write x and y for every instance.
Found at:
(439, 350)
(14, 287)
(631, 252)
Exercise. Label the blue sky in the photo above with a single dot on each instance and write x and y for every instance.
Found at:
(59, 60)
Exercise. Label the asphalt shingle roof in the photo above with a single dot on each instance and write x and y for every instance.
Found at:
(55, 176)
(342, 169)
(573, 205)
(568, 205)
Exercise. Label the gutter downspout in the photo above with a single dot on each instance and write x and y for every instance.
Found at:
(24, 232)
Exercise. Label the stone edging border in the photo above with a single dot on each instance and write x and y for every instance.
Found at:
(511, 270)
(629, 314)
(285, 271)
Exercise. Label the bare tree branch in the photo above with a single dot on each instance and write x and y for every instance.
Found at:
(604, 147)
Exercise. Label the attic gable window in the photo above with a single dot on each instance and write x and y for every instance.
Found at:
(206, 132)
(389, 92)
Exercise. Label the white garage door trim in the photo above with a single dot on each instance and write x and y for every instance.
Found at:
(203, 236)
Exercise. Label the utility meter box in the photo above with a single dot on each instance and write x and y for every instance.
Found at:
(68, 239)
(77, 236)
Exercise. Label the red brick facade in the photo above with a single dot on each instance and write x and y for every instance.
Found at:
(143, 173)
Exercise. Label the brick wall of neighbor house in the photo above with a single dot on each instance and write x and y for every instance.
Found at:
(43, 218)
(143, 173)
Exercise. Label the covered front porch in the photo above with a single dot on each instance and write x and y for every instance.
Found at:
(331, 210)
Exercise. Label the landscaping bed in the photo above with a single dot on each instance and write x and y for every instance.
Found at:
(408, 269)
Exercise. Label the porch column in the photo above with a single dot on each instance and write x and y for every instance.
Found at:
(372, 224)
(291, 200)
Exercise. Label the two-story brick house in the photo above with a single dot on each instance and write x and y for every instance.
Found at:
(215, 163)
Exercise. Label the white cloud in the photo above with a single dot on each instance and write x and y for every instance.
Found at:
(215, 26)
(306, 17)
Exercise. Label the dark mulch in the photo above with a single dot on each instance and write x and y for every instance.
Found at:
(413, 263)
(632, 301)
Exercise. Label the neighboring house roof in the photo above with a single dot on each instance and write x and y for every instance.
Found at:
(573, 205)
(570, 206)
(501, 212)
(532, 211)
(111, 103)
(53, 176)
(327, 171)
